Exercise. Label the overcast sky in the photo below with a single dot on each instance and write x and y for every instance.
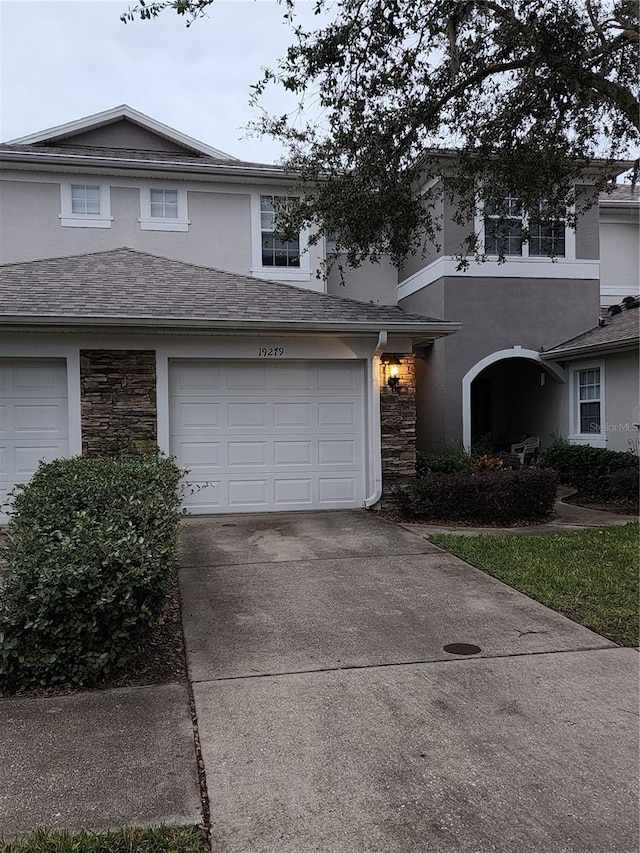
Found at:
(64, 60)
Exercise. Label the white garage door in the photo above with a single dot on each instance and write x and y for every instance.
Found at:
(33, 418)
(260, 436)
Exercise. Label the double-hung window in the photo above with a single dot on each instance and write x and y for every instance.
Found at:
(589, 400)
(85, 203)
(163, 209)
(85, 199)
(276, 252)
(504, 226)
(547, 238)
(163, 204)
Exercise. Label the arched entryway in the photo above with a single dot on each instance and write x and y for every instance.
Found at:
(508, 394)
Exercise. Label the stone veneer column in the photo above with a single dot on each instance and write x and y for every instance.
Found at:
(398, 428)
(118, 397)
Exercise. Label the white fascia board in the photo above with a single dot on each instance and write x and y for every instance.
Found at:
(421, 330)
(115, 114)
(592, 351)
(234, 169)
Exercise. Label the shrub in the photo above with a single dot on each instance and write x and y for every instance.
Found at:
(489, 497)
(90, 547)
(620, 486)
(583, 467)
(447, 462)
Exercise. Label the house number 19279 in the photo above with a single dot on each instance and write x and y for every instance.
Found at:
(270, 352)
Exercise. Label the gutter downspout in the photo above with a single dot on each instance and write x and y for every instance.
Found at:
(375, 451)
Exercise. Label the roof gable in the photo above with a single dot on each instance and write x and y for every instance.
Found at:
(122, 127)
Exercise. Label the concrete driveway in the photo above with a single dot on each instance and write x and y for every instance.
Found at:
(332, 719)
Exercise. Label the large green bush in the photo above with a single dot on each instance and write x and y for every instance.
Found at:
(90, 547)
(488, 497)
(448, 461)
(586, 468)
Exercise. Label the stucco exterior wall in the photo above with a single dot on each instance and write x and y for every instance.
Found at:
(122, 134)
(496, 314)
(622, 400)
(219, 233)
(619, 255)
(587, 230)
(368, 283)
(427, 252)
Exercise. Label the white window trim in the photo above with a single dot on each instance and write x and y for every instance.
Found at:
(301, 273)
(156, 223)
(569, 240)
(85, 220)
(595, 439)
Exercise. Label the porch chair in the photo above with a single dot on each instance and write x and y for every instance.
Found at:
(526, 448)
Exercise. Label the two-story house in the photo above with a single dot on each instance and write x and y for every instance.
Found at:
(145, 297)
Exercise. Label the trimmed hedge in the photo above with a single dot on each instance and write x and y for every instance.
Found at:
(90, 547)
(487, 497)
(448, 462)
(584, 467)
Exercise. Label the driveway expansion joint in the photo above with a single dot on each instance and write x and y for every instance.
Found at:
(351, 667)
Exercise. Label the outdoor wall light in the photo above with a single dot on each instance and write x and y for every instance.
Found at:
(393, 363)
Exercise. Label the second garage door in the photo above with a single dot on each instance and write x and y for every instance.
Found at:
(260, 436)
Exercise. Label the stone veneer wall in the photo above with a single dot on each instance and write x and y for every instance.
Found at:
(118, 397)
(398, 428)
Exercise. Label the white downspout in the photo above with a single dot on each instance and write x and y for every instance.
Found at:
(375, 444)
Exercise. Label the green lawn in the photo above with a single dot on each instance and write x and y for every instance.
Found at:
(591, 576)
(164, 839)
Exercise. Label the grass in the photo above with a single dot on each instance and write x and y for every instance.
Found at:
(163, 839)
(590, 575)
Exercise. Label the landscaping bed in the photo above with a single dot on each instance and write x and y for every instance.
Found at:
(591, 576)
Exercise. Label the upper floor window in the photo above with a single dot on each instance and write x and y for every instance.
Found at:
(503, 227)
(85, 198)
(164, 204)
(163, 209)
(275, 251)
(85, 205)
(505, 224)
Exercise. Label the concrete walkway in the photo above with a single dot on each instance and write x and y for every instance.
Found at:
(333, 719)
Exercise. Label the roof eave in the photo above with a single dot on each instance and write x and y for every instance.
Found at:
(591, 350)
(231, 169)
(425, 330)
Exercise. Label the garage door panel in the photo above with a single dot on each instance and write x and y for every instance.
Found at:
(293, 491)
(193, 416)
(194, 377)
(336, 452)
(336, 490)
(247, 493)
(337, 378)
(337, 414)
(247, 378)
(33, 418)
(246, 415)
(247, 454)
(290, 435)
(200, 455)
(288, 415)
(292, 453)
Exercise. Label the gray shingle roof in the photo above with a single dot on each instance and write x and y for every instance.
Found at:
(135, 154)
(130, 285)
(621, 192)
(618, 331)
